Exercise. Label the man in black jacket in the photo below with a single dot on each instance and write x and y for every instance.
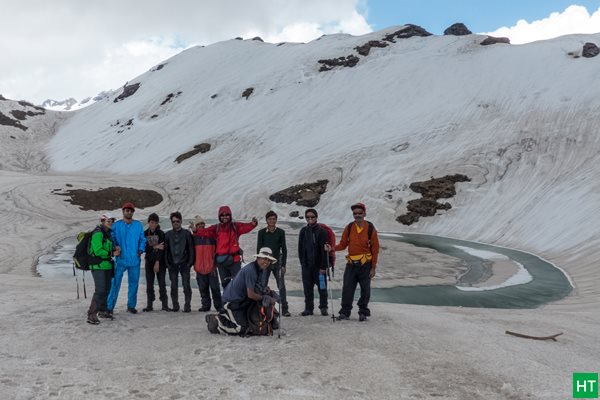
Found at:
(311, 251)
(155, 263)
(179, 248)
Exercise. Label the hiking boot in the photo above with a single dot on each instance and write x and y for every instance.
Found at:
(175, 308)
(204, 309)
(106, 315)
(286, 313)
(165, 306)
(342, 317)
(131, 310)
(147, 309)
(362, 317)
(93, 319)
(187, 308)
(306, 312)
(324, 312)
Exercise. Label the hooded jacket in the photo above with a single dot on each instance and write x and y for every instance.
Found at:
(227, 236)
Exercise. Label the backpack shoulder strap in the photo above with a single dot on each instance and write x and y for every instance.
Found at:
(370, 232)
(348, 230)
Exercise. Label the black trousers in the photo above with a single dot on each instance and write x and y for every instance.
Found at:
(174, 272)
(239, 309)
(102, 280)
(280, 279)
(208, 284)
(228, 273)
(310, 278)
(160, 277)
(356, 275)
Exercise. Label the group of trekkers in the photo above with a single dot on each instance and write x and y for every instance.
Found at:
(241, 296)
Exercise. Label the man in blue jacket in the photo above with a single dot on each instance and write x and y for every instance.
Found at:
(128, 236)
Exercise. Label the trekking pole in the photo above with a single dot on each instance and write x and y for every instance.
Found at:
(76, 281)
(84, 292)
(330, 288)
(279, 288)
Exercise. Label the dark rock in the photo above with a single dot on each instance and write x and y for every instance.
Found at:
(431, 190)
(408, 31)
(458, 29)
(328, 64)
(128, 90)
(8, 121)
(12, 137)
(167, 99)
(159, 67)
(2, 97)
(22, 115)
(257, 38)
(239, 38)
(590, 50)
(111, 198)
(247, 92)
(294, 214)
(68, 185)
(199, 148)
(306, 194)
(214, 96)
(494, 40)
(366, 48)
(154, 116)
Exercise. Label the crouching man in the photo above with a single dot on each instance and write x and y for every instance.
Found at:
(244, 293)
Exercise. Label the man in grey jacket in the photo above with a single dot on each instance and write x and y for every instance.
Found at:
(179, 251)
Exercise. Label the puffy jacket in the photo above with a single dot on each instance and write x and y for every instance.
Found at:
(204, 247)
(101, 246)
(130, 237)
(227, 237)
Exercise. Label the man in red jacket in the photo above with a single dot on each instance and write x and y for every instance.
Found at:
(206, 275)
(228, 252)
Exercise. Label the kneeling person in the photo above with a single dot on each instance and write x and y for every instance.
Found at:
(245, 288)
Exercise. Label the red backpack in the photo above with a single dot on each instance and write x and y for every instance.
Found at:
(331, 241)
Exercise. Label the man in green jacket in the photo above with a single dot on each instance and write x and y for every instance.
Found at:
(101, 250)
(274, 238)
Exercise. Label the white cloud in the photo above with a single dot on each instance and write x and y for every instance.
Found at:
(574, 19)
(77, 49)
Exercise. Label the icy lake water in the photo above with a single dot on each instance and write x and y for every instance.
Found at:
(547, 283)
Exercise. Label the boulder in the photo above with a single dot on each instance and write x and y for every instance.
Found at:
(494, 40)
(590, 50)
(458, 29)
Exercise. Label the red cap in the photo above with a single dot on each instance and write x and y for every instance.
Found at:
(359, 205)
(128, 205)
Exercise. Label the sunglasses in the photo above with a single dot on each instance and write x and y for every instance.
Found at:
(358, 213)
(175, 221)
(311, 217)
(225, 215)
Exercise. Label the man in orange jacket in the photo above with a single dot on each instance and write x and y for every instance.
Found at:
(360, 237)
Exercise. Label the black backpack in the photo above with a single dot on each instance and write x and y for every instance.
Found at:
(82, 259)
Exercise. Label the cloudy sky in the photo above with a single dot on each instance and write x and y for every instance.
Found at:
(71, 48)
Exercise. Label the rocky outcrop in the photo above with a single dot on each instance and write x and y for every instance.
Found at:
(306, 194)
(128, 90)
(590, 50)
(170, 97)
(408, 31)
(8, 121)
(431, 190)
(246, 93)
(328, 64)
(366, 48)
(199, 148)
(494, 40)
(458, 29)
(111, 198)
(258, 38)
(22, 115)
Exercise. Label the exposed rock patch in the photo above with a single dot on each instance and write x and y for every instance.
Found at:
(431, 190)
(294, 214)
(258, 38)
(199, 148)
(590, 50)
(366, 48)
(247, 92)
(458, 29)
(328, 64)
(22, 115)
(306, 194)
(2, 97)
(170, 97)
(494, 40)
(8, 121)
(128, 90)
(111, 198)
(408, 31)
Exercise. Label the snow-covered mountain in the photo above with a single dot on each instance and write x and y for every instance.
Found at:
(71, 104)
(520, 121)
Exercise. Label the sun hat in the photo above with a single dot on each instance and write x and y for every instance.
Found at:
(265, 252)
(198, 220)
(128, 205)
(359, 205)
(106, 216)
